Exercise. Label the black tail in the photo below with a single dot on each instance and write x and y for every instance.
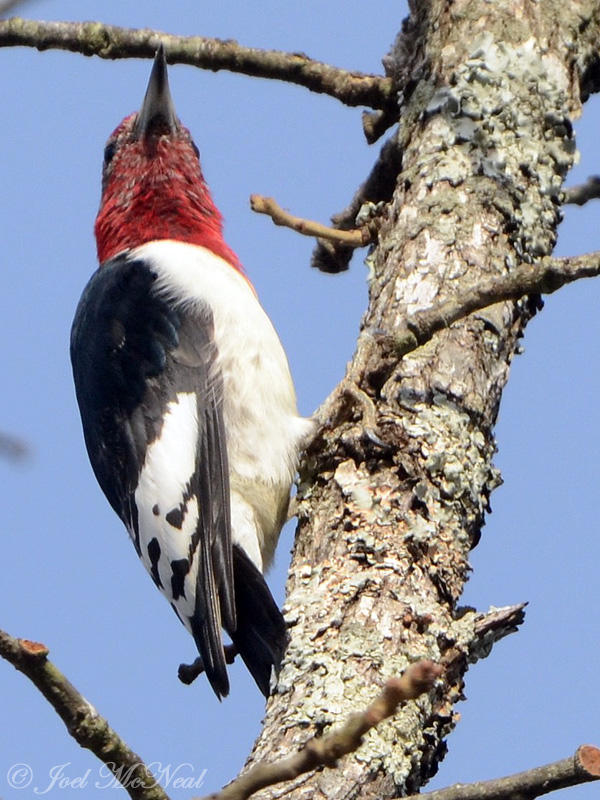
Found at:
(261, 635)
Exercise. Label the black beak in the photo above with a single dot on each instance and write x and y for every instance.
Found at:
(157, 114)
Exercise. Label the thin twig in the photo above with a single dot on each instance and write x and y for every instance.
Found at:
(492, 626)
(377, 188)
(581, 767)
(376, 123)
(326, 750)
(83, 722)
(110, 41)
(358, 237)
(9, 5)
(497, 623)
(580, 194)
(543, 277)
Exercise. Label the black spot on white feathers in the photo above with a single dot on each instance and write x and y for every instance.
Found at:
(180, 569)
(155, 510)
(154, 556)
(175, 517)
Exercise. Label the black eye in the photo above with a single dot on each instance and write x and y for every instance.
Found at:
(195, 149)
(109, 152)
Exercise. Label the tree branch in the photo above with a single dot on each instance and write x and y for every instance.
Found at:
(110, 41)
(326, 750)
(543, 277)
(335, 245)
(376, 123)
(358, 237)
(378, 187)
(494, 625)
(581, 767)
(9, 5)
(83, 722)
(580, 194)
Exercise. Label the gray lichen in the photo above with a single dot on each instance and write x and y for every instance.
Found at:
(487, 114)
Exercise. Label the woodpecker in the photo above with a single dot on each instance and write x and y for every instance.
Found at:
(187, 404)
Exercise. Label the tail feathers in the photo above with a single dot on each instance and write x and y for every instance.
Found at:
(206, 630)
(260, 637)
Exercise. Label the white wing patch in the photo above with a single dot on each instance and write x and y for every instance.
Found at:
(167, 513)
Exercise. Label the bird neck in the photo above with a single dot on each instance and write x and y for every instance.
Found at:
(164, 203)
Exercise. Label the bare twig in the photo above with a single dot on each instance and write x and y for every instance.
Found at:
(110, 41)
(499, 622)
(358, 237)
(378, 187)
(543, 277)
(580, 194)
(581, 767)
(326, 750)
(376, 123)
(83, 722)
(492, 626)
(9, 5)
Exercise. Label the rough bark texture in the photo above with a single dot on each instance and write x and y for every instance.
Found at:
(396, 484)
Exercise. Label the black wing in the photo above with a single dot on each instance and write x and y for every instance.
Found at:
(135, 355)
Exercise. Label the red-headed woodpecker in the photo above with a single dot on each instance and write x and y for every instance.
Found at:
(187, 404)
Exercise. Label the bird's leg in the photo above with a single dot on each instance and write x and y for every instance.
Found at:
(187, 673)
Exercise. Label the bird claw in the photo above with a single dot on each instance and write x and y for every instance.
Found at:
(187, 673)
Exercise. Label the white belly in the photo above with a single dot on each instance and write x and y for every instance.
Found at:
(263, 429)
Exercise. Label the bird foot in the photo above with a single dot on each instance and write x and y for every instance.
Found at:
(187, 673)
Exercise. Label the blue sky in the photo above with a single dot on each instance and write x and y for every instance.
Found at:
(70, 576)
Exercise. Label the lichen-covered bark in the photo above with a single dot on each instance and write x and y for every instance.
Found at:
(396, 485)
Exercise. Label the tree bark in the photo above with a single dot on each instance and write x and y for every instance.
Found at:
(397, 481)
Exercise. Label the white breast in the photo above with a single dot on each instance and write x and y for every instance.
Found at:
(264, 431)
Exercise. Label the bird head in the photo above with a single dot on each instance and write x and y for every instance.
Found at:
(152, 183)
